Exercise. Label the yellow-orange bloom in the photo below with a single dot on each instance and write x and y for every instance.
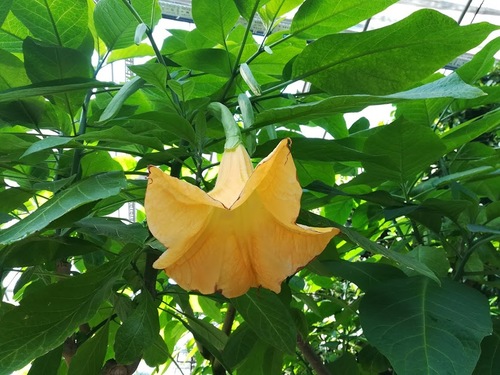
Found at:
(240, 235)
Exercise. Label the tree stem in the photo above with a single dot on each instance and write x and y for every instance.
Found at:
(311, 357)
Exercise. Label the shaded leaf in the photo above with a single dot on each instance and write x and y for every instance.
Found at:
(46, 318)
(138, 331)
(90, 355)
(239, 345)
(113, 228)
(363, 274)
(268, 317)
(489, 361)
(422, 327)
(401, 143)
(48, 363)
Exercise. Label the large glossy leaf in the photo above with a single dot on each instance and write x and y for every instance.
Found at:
(54, 21)
(416, 47)
(46, 318)
(89, 190)
(215, 18)
(450, 86)
(138, 331)
(316, 18)
(90, 355)
(268, 317)
(402, 144)
(115, 24)
(424, 328)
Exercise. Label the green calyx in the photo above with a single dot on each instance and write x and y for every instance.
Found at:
(231, 128)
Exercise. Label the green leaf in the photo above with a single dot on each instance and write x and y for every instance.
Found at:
(115, 24)
(157, 353)
(46, 318)
(401, 259)
(38, 250)
(51, 87)
(269, 318)
(94, 188)
(450, 86)
(246, 7)
(12, 34)
(98, 162)
(434, 258)
(215, 18)
(113, 228)
(401, 143)
(437, 182)
(345, 364)
(90, 355)
(12, 72)
(56, 22)
(213, 339)
(423, 328)
(154, 74)
(363, 274)
(481, 64)
(142, 50)
(49, 363)
(47, 144)
(52, 63)
(416, 47)
(489, 361)
(315, 18)
(274, 9)
(469, 130)
(4, 9)
(209, 60)
(123, 94)
(239, 345)
(138, 331)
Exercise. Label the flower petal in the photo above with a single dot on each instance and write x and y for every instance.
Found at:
(247, 247)
(275, 182)
(234, 171)
(176, 213)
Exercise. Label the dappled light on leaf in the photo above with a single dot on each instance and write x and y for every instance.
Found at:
(240, 235)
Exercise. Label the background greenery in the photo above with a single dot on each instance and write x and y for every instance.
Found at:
(411, 284)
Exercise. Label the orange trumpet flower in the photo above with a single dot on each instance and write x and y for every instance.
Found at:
(240, 235)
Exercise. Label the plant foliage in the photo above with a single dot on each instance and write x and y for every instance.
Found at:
(411, 284)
